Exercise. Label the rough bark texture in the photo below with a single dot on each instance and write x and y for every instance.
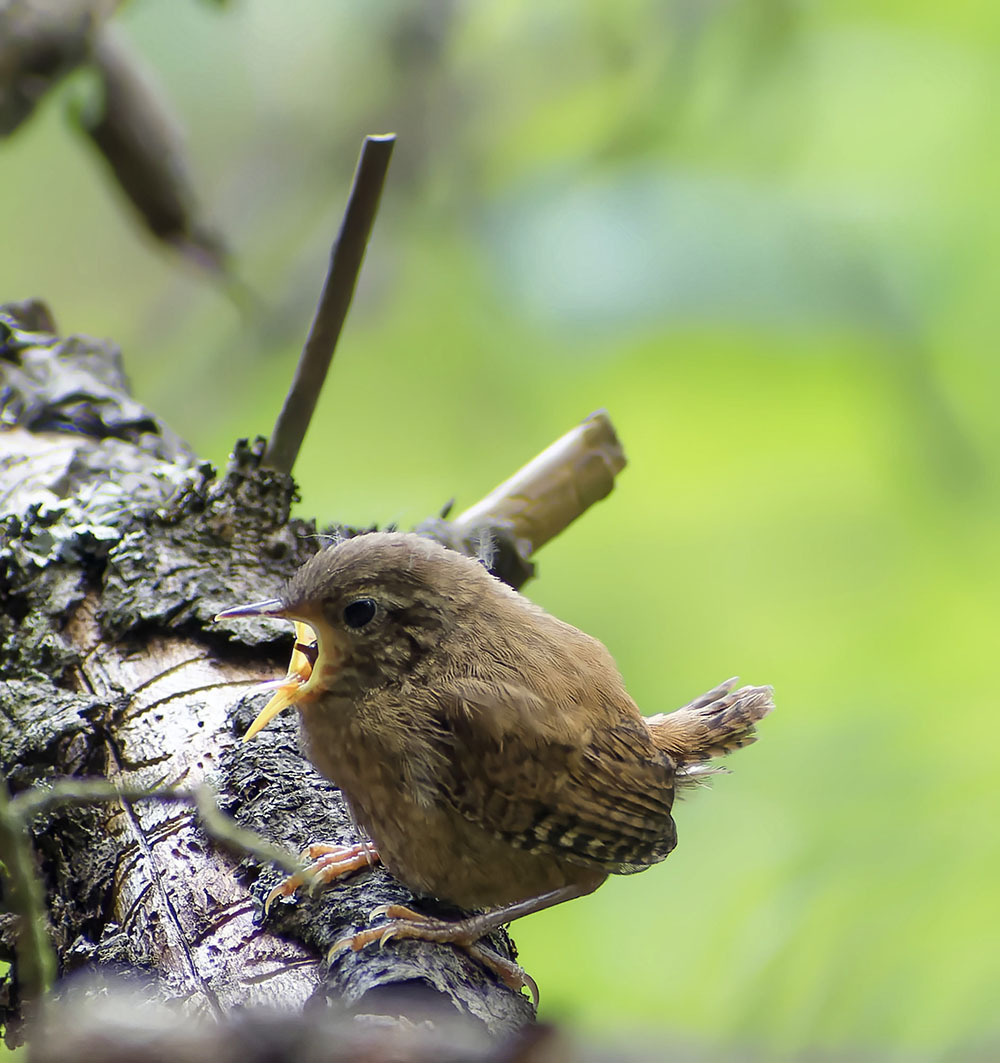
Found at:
(117, 548)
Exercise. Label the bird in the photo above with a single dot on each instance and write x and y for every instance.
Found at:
(489, 751)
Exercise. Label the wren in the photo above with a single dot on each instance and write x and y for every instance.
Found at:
(489, 751)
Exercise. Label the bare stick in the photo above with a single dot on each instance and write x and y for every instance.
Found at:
(555, 487)
(334, 301)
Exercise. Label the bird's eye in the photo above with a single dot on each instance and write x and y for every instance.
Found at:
(360, 612)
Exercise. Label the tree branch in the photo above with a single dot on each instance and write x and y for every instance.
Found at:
(554, 488)
(117, 548)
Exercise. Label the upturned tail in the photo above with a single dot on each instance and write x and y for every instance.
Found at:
(710, 726)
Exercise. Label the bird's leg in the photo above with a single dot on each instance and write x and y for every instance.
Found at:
(327, 863)
(465, 933)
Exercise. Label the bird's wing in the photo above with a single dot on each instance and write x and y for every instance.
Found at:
(539, 780)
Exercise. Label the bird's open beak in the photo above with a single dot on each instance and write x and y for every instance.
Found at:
(304, 653)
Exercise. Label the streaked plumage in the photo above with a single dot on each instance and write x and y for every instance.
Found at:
(490, 750)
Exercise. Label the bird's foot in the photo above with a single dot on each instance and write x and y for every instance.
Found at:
(327, 864)
(465, 933)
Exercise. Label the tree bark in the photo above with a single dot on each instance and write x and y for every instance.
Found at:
(117, 548)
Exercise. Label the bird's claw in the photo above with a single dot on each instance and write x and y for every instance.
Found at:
(283, 889)
(339, 946)
(356, 942)
(511, 974)
(404, 923)
(327, 864)
(397, 911)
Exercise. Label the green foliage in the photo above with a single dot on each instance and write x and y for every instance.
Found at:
(763, 236)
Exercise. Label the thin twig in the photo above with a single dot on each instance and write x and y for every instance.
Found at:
(217, 824)
(226, 831)
(334, 301)
(36, 959)
(73, 791)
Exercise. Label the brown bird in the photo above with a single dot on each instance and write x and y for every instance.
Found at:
(489, 751)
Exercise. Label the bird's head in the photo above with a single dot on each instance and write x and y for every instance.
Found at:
(377, 606)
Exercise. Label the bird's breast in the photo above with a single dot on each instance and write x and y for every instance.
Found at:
(387, 775)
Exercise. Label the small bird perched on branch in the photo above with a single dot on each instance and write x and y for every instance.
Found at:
(489, 750)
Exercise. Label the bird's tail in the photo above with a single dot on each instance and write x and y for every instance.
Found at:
(710, 726)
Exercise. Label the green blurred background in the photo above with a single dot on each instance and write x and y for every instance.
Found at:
(763, 234)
